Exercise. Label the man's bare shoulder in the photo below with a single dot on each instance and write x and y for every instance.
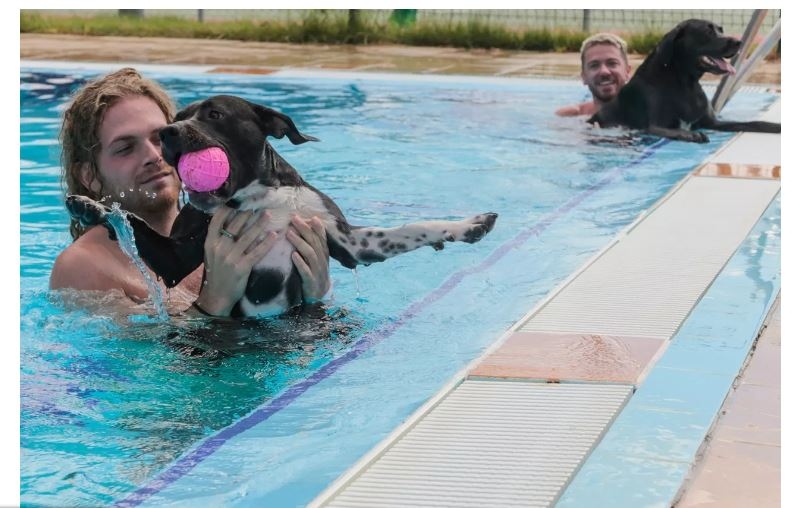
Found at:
(92, 262)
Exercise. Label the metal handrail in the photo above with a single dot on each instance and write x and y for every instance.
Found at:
(730, 83)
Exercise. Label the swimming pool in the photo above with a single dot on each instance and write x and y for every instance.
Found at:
(112, 413)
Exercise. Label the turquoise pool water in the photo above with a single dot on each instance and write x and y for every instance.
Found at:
(113, 412)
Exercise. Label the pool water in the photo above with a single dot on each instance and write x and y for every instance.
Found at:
(110, 404)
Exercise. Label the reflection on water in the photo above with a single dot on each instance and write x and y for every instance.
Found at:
(133, 396)
(759, 246)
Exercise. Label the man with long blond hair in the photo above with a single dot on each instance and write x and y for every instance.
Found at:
(111, 152)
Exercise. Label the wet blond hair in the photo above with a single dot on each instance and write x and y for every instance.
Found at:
(604, 38)
(79, 134)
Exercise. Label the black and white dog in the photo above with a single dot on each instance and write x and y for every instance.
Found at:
(260, 178)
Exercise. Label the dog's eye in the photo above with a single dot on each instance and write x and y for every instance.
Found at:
(215, 114)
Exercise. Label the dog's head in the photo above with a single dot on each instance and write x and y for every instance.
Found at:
(697, 46)
(236, 126)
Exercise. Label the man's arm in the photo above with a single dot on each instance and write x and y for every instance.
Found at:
(584, 108)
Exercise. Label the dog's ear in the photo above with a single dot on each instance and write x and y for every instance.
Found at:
(187, 111)
(278, 125)
(666, 48)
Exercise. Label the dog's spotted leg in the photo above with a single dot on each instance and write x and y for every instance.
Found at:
(87, 211)
(367, 245)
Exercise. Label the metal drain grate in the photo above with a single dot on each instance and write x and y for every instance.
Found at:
(647, 283)
(488, 443)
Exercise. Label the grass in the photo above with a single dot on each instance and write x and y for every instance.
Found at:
(317, 27)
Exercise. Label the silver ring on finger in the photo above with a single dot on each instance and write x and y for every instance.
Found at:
(227, 234)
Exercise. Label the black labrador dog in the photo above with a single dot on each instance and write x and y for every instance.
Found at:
(664, 97)
(259, 178)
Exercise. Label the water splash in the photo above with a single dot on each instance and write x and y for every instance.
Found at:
(357, 282)
(118, 219)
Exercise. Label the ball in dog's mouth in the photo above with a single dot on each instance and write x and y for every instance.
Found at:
(204, 170)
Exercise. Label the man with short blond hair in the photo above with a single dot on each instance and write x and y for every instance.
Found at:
(604, 70)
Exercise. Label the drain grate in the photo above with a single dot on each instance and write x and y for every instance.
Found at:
(647, 283)
(488, 443)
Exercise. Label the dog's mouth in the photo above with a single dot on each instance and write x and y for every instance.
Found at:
(716, 65)
(169, 153)
(206, 201)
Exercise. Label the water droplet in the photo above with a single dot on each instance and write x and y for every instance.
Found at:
(122, 194)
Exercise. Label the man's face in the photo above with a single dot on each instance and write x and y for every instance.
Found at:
(129, 160)
(604, 71)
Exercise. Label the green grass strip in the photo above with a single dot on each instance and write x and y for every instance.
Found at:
(319, 28)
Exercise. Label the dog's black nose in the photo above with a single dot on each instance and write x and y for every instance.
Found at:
(169, 132)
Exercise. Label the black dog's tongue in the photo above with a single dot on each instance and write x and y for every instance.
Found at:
(722, 64)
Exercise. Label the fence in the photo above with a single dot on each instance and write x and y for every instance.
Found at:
(734, 21)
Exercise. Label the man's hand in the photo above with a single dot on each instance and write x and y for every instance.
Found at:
(311, 256)
(233, 246)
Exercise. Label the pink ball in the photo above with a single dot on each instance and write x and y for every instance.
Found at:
(204, 170)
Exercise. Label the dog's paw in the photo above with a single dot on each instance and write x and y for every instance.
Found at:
(699, 137)
(85, 210)
(480, 225)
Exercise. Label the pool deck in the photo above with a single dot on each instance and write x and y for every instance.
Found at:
(738, 462)
(262, 58)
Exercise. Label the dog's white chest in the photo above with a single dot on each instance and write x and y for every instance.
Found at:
(281, 202)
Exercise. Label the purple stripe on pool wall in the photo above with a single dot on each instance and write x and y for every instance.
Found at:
(207, 447)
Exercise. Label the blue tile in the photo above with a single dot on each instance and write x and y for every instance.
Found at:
(683, 390)
(707, 355)
(730, 315)
(617, 481)
(668, 417)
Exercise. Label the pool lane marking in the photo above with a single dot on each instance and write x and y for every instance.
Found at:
(189, 461)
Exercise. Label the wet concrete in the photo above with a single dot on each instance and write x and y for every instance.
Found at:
(261, 57)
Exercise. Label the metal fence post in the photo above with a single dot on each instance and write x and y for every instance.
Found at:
(585, 27)
(353, 20)
(200, 15)
(132, 13)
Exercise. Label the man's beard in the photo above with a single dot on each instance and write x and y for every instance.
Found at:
(144, 204)
(600, 97)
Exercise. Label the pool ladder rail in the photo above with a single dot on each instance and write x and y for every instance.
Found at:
(742, 62)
